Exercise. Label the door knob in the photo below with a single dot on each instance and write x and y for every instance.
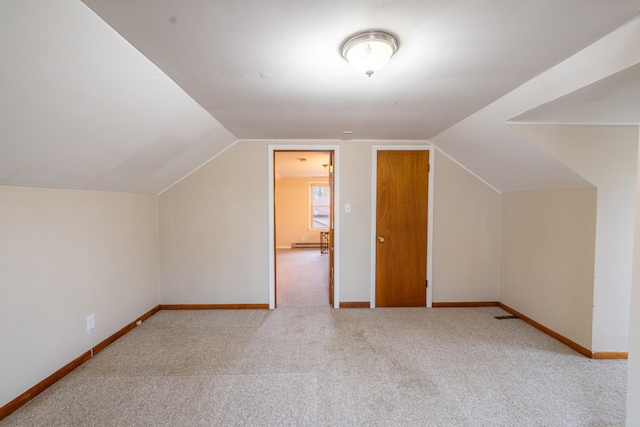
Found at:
(381, 239)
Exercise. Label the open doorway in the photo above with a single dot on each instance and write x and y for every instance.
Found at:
(303, 219)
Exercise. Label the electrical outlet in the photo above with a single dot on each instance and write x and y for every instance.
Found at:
(91, 322)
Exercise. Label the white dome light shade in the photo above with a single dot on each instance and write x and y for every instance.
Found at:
(369, 51)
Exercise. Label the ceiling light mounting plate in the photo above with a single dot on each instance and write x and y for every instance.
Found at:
(368, 51)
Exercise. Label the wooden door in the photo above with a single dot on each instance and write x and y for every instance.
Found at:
(331, 231)
(401, 228)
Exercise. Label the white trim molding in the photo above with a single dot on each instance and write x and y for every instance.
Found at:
(336, 221)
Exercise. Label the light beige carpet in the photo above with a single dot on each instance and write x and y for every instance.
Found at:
(302, 278)
(315, 366)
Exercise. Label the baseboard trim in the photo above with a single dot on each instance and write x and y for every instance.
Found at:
(564, 340)
(355, 304)
(104, 344)
(465, 304)
(603, 355)
(214, 306)
(25, 397)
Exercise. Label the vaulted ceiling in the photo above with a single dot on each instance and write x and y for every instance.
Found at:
(133, 96)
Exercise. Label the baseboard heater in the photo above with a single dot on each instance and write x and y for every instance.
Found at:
(305, 245)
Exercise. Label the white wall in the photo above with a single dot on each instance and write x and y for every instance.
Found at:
(606, 156)
(633, 390)
(214, 230)
(547, 251)
(466, 254)
(65, 254)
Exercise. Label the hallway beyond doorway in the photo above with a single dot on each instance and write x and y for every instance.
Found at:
(303, 277)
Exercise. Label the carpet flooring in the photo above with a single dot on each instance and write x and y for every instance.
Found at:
(302, 278)
(316, 366)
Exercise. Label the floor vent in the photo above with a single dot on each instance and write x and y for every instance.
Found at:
(305, 245)
(506, 317)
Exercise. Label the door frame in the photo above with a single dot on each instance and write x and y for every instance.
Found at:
(336, 221)
(374, 186)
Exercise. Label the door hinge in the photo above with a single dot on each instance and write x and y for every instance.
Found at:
(426, 284)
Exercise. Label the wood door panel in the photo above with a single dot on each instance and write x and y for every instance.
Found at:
(331, 227)
(401, 220)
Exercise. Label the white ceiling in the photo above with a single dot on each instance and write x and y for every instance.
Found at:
(80, 108)
(487, 144)
(612, 100)
(296, 164)
(272, 68)
(138, 108)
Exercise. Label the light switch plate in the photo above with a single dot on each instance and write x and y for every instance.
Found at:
(91, 322)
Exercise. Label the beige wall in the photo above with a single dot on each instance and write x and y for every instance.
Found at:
(214, 229)
(66, 254)
(547, 251)
(355, 228)
(292, 211)
(466, 258)
(533, 251)
(606, 156)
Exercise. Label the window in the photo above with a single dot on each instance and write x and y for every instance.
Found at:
(320, 205)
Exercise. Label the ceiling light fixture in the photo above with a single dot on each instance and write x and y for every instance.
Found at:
(369, 51)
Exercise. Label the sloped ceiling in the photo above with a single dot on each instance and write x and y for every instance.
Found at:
(613, 100)
(80, 108)
(132, 96)
(486, 144)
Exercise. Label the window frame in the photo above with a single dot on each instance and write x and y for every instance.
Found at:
(311, 206)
